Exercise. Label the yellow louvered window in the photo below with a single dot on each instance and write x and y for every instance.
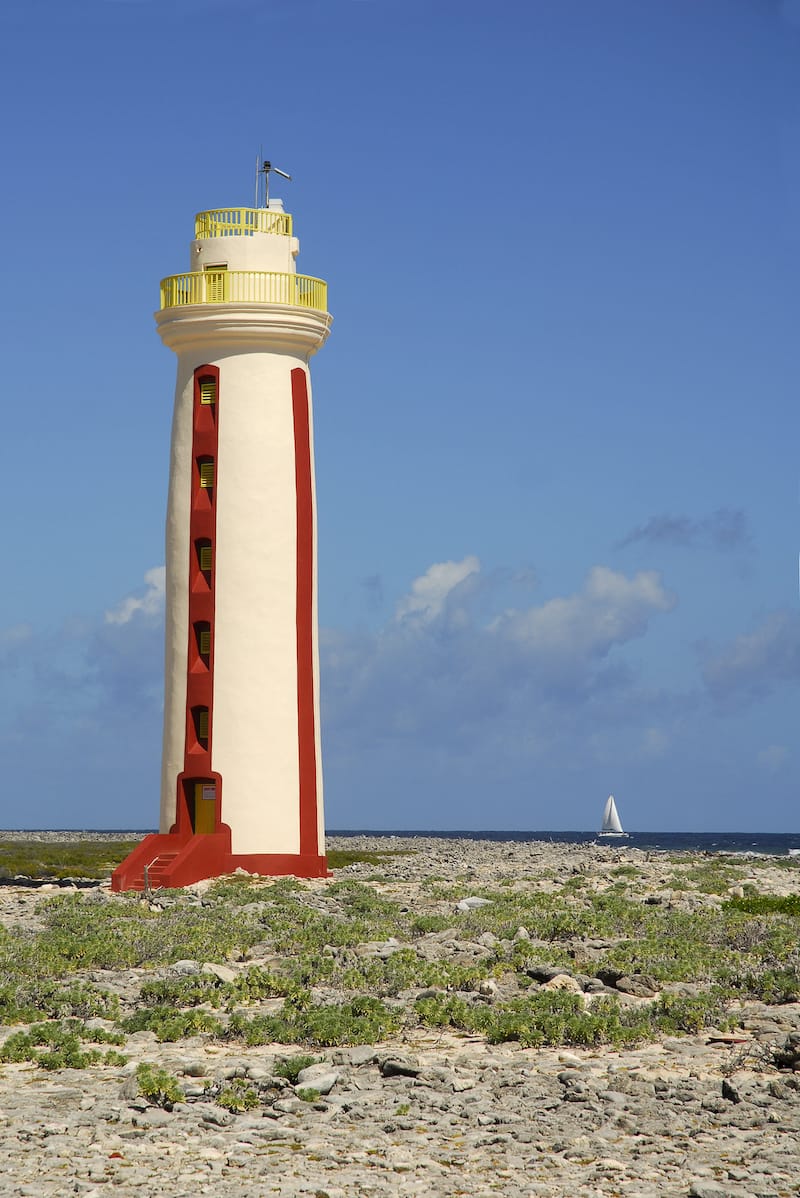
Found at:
(205, 642)
(205, 557)
(207, 474)
(208, 391)
(202, 724)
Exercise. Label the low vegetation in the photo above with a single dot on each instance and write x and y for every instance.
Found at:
(61, 859)
(158, 1086)
(347, 962)
(63, 1044)
(95, 859)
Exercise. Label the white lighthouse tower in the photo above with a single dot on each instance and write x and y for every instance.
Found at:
(241, 770)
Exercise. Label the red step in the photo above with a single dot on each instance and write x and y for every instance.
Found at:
(156, 872)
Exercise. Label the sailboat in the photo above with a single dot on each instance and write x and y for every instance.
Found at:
(612, 825)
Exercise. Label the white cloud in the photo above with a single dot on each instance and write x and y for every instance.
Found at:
(431, 591)
(611, 609)
(451, 702)
(149, 604)
(527, 677)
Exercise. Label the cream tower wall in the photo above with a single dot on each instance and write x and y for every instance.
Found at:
(255, 714)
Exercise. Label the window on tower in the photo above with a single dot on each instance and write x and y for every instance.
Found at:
(208, 391)
(205, 408)
(202, 645)
(200, 724)
(201, 564)
(216, 280)
(206, 470)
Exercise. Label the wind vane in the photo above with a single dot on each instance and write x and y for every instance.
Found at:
(263, 169)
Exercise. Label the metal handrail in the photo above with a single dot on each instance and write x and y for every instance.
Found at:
(241, 222)
(147, 889)
(244, 286)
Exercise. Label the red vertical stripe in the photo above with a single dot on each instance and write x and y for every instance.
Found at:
(306, 723)
(202, 525)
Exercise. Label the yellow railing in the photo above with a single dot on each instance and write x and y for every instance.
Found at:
(244, 287)
(241, 222)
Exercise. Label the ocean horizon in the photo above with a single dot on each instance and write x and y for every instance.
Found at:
(759, 843)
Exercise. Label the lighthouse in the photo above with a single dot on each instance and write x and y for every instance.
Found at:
(241, 781)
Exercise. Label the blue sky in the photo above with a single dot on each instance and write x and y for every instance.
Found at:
(556, 420)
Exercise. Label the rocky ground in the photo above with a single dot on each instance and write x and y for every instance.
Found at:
(425, 1113)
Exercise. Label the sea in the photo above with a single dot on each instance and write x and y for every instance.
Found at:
(773, 844)
(763, 843)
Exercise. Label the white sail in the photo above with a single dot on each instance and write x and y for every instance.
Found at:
(611, 821)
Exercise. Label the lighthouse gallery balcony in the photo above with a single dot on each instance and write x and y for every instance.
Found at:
(244, 287)
(223, 286)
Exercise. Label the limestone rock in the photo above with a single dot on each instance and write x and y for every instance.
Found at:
(472, 903)
(223, 972)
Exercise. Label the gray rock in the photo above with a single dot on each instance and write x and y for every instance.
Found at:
(288, 1106)
(362, 1054)
(185, 968)
(223, 972)
(430, 992)
(778, 1089)
(399, 1066)
(130, 1087)
(717, 1105)
(213, 1115)
(379, 948)
(472, 903)
(638, 984)
(192, 1068)
(317, 1077)
(260, 1074)
(546, 973)
(154, 1117)
(787, 1055)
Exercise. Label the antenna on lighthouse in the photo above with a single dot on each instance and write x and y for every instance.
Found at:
(263, 169)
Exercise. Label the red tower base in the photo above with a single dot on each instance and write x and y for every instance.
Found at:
(172, 860)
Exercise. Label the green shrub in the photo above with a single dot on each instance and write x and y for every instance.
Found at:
(34, 998)
(430, 923)
(447, 1010)
(715, 877)
(340, 858)
(190, 991)
(770, 985)
(62, 858)
(82, 933)
(157, 1086)
(673, 1013)
(169, 1024)
(361, 1020)
(61, 1046)
(238, 1096)
(292, 1067)
(767, 904)
(256, 983)
(557, 1018)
